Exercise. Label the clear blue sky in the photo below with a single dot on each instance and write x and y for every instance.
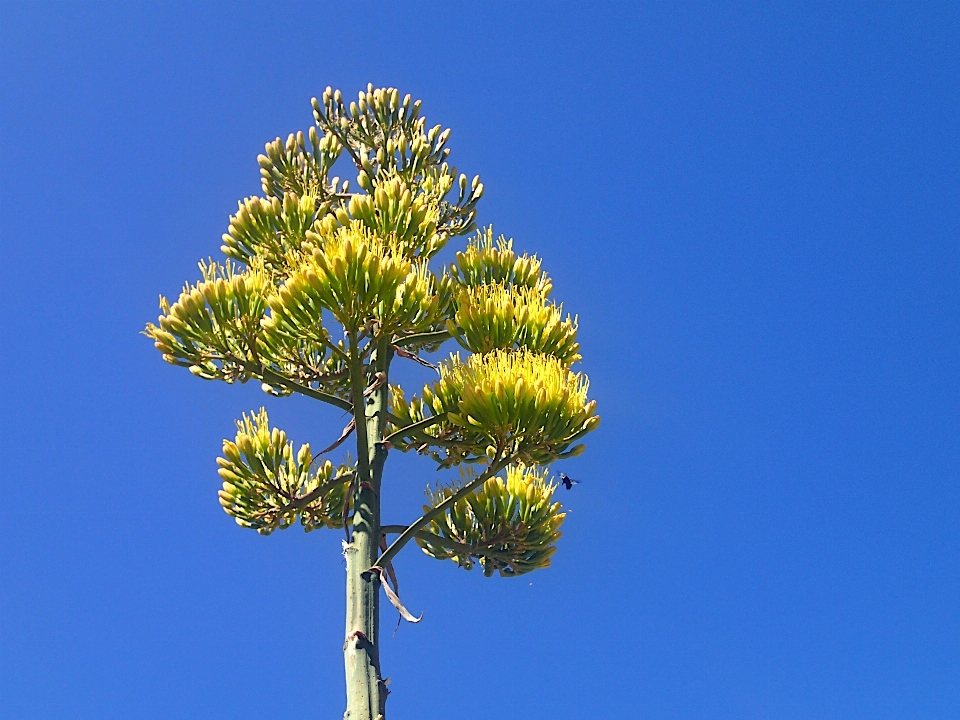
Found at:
(754, 211)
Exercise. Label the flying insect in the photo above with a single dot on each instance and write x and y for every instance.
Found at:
(567, 481)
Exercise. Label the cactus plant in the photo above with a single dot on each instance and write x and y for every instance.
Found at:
(320, 291)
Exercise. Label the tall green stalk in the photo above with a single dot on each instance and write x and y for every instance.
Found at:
(366, 692)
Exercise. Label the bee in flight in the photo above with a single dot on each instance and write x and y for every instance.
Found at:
(567, 481)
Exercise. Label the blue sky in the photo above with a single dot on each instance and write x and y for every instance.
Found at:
(752, 208)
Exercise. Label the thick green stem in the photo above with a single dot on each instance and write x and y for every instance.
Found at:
(366, 693)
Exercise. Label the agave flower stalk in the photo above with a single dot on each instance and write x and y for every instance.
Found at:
(320, 291)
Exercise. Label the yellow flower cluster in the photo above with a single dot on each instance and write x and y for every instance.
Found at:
(359, 278)
(510, 526)
(485, 262)
(269, 229)
(394, 211)
(212, 327)
(516, 404)
(290, 167)
(263, 480)
(498, 316)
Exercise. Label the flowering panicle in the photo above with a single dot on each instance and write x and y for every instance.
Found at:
(493, 316)
(267, 486)
(213, 326)
(510, 526)
(485, 261)
(520, 405)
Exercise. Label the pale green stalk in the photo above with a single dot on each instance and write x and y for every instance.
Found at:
(366, 693)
